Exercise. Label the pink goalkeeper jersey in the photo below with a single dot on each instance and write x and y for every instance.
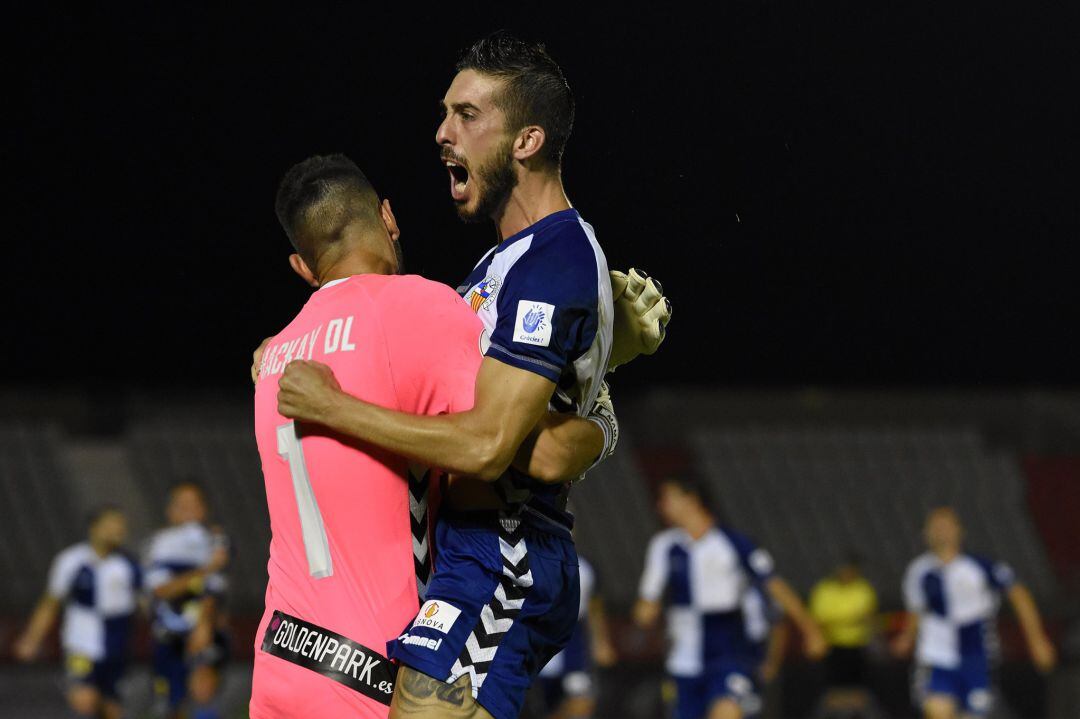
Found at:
(341, 552)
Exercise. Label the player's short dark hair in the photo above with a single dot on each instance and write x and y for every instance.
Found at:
(693, 485)
(98, 513)
(319, 197)
(535, 90)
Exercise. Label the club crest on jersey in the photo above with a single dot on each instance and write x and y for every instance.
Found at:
(437, 615)
(534, 323)
(484, 294)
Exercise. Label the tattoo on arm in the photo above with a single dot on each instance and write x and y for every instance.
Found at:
(419, 695)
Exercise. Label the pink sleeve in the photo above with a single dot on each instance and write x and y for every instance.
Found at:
(433, 345)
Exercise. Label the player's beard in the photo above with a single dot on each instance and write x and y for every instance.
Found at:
(495, 180)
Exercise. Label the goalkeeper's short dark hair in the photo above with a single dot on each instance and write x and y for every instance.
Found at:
(319, 197)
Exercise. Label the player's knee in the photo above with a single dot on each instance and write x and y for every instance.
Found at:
(84, 700)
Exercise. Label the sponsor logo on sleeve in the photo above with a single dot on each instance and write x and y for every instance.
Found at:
(438, 615)
(534, 323)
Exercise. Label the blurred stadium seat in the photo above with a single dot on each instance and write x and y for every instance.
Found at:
(38, 519)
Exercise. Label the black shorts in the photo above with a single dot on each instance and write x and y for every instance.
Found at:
(103, 675)
(846, 667)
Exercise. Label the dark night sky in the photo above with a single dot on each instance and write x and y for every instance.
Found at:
(857, 197)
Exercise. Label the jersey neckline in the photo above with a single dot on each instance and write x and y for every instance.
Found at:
(569, 213)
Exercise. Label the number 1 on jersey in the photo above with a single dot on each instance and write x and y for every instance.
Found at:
(311, 522)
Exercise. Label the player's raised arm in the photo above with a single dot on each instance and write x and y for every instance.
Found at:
(480, 442)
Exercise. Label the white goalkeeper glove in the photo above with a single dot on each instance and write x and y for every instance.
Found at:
(641, 316)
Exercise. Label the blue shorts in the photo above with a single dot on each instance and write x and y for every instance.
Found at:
(103, 675)
(503, 601)
(968, 684)
(172, 665)
(735, 680)
(170, 671)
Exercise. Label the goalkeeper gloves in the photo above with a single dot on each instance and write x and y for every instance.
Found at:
(641, 316)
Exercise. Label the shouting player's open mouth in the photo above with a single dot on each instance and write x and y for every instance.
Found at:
(459, 179)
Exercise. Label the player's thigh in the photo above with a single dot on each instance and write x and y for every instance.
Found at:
(939, 706)
(419, 696)
(84, 699)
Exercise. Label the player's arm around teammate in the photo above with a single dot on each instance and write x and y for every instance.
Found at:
(480, 442)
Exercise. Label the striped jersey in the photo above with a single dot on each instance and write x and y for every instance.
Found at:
(544, 297)
(957, 603)
(100, 596)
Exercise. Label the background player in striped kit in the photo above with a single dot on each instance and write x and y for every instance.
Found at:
(952, 599)
(185, 567)
(706, 572)
(97, 584)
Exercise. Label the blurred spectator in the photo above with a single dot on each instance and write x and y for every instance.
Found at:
(97, 583)
(706, 572)
(952, 599)
(567, 681)
(845, 606)
(185, 569)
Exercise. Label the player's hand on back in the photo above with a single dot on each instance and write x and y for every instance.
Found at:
(306, 390)
(641, 316)
(256, 359)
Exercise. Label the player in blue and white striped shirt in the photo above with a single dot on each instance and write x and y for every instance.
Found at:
(185, 576)
(952, 598)
(97, 584)
(706, 572)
